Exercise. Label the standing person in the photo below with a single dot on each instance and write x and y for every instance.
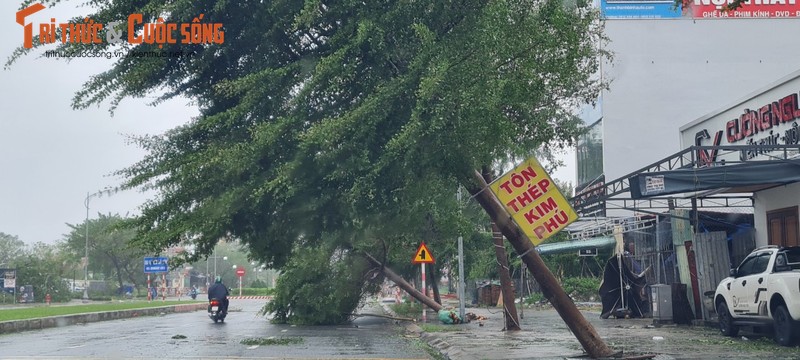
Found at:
(220, 292)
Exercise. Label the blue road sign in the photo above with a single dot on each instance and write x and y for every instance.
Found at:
(156, 265)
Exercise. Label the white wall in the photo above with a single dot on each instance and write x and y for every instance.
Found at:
(776, 198)
(667, 73)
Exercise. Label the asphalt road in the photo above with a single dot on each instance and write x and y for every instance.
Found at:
(152, 337)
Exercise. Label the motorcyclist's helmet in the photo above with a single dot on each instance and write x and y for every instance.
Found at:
(218, 280)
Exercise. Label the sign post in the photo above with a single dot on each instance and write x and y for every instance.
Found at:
(240, 274)
(10, 282)
(156, 265)
(423, 256)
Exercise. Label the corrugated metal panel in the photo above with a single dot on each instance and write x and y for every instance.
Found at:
(713, 262)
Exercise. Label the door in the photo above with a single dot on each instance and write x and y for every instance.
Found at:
(749, 289)
(783, 227)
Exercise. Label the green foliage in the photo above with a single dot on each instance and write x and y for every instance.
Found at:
(320, 287)
(534, 298)
(272, 341)
(44, 266)
(581, 288)
(111, 253)
(439, 328)
(345, 126)
(407, 309)
(258, 283)
(11, 248)
(255, 292)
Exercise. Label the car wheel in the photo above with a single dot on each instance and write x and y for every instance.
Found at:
(726, 326)
(784, 326)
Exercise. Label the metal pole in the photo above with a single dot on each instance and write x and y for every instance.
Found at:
(424, 291)
(521, 290)
(240, 286)
(461, 282)
(215, 263)
(86, 263)
(658, 254)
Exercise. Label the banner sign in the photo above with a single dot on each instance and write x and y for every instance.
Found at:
(698, 9)
(534, 201)
(639, 9)
(9, 278)
(714, 9)
(156, 265)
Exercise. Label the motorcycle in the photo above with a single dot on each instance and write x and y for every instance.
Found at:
(193, 294)
(214, 311)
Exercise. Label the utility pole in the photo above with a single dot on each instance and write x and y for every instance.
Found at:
(586, 334)
(509, 308)
(461, 282)
(86, 258)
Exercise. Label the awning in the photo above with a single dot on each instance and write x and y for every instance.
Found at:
(738, 178)
(575, 245)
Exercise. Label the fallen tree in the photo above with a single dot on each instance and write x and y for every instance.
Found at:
(403, 284)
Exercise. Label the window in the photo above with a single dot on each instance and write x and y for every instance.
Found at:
(782, 227)
(754, 264)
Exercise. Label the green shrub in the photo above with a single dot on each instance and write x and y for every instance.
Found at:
(408, 309)
(534, 298)
(254, 292)
(581, 288)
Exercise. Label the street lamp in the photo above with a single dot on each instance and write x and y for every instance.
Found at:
(86, 263)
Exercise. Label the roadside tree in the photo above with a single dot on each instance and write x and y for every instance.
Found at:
(336, 128)
(110, 251)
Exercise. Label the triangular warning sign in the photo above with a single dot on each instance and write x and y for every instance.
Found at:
(423, 255)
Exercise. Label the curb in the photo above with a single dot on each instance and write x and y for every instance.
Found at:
(443, 347)
(13, 326)
(255, 297)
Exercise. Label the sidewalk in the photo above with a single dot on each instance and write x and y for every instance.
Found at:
(544, 335)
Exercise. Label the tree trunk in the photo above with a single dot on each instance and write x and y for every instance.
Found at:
(509, 308)
(435, 285)
(403, 284)
(118, 269)
(583, 330)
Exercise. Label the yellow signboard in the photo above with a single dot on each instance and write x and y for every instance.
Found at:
(534, 201)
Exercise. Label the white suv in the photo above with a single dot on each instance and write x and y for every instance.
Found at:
(763, 290)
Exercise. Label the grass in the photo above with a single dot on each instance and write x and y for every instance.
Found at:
(411, 310)
(45, 311)
(272, 341)
(439, 328)
(434, 354)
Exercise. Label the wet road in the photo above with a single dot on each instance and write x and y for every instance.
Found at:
(152, 337)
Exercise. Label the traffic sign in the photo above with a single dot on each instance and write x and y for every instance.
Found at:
(587, 252)
(240, 272)
(156, 265)
(423, 256)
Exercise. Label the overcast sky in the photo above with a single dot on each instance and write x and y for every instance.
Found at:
(53, 155)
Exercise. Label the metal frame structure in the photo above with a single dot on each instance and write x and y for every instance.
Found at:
(687, 158)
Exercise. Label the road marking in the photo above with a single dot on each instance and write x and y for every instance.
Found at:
(76, 346)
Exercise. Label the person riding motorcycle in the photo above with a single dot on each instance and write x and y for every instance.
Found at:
(220, 292)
